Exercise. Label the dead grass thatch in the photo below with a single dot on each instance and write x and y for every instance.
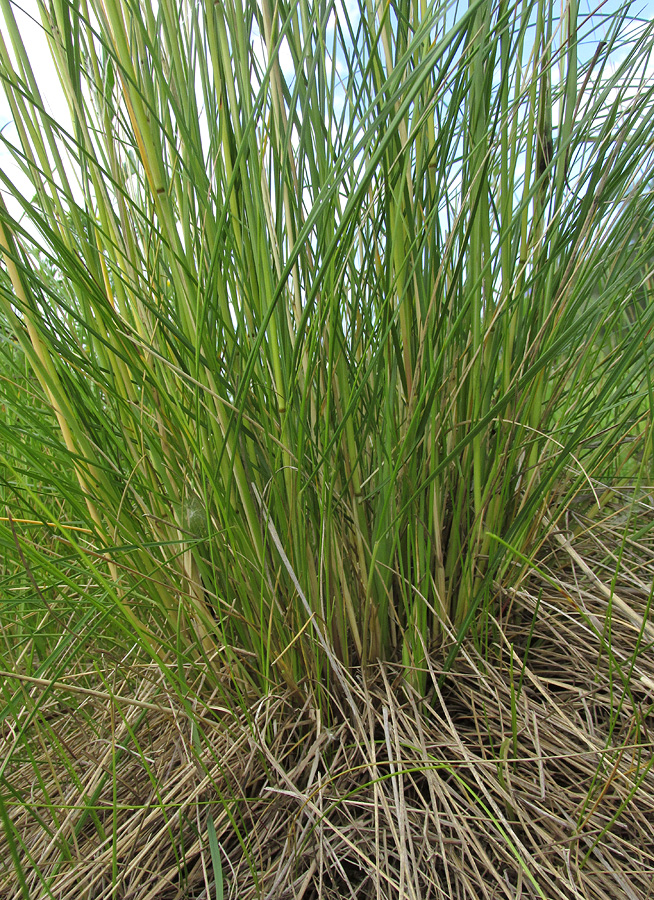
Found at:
(527, 774)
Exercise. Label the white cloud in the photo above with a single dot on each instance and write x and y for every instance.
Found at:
(44, 71)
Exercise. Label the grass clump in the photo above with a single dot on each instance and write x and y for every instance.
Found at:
(325, 327)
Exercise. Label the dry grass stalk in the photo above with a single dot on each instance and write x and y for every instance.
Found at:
(529, 774)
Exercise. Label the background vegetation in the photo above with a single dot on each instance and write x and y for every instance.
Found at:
(322, 325)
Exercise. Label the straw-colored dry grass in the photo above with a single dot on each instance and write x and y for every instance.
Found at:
(527, 774)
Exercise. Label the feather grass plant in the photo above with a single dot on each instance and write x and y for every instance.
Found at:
(317, 321)
(324, 313)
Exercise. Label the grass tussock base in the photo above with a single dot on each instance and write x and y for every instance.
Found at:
(525, 774)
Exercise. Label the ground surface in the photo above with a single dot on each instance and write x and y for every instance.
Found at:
(527, 774)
